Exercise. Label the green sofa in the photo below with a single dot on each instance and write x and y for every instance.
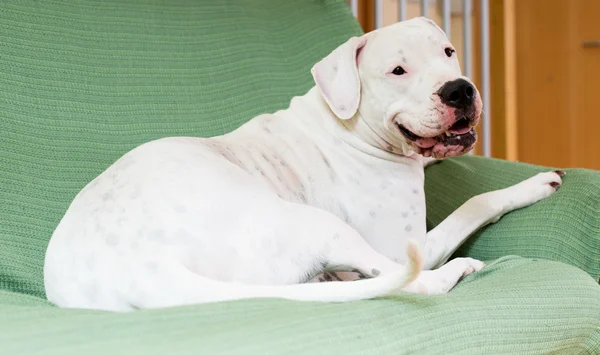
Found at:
(84, 81)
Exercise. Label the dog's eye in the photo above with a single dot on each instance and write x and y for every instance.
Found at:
(398, 71)
(449, 52)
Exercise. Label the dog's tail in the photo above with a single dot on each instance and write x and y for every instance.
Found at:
(200, 289)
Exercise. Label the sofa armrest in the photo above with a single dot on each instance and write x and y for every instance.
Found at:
(564, 227)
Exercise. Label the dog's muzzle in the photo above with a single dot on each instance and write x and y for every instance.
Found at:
(460, 96)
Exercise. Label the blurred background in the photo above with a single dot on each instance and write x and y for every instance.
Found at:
(536, 63)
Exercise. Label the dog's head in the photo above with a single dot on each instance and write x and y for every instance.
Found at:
(405, 82)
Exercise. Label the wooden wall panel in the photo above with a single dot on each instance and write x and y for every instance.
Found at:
(557, 108)
(584, 19)
(543, 110)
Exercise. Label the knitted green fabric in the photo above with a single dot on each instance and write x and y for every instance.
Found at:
(84, 81)
(514, 306)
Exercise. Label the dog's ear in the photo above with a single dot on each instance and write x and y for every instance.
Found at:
(336, 77)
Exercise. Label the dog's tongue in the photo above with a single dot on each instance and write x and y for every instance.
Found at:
(425, 143)
(461, 130)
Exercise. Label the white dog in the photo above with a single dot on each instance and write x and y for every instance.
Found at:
(333, 183)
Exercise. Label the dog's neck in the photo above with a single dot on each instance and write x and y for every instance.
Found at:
(356, 132)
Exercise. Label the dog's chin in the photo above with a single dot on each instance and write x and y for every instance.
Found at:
(457, 140)
(446, 149)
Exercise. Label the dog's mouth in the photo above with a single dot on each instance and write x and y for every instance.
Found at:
(460, 135)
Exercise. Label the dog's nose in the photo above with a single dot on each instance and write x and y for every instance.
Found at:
(457, 93)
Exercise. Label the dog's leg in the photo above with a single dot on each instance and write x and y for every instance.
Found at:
(442, 280)
(482, 209)
(341, 247)
(312, 240)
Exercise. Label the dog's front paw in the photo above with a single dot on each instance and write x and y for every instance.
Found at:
(470, 266)
(535, 188)
(543, 185)
(443, 279)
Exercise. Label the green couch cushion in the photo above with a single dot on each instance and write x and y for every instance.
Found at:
(84, 81)
(514, 306)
